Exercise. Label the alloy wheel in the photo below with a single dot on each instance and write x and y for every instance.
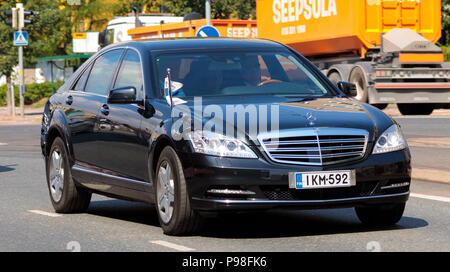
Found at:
(56, 175)
(165, 192)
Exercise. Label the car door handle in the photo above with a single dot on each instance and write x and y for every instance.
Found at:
(69, 100)
(104, 109)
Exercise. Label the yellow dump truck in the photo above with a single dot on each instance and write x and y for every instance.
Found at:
(226, 28)
(387, 48)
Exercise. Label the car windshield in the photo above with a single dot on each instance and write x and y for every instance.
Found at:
(232, 72)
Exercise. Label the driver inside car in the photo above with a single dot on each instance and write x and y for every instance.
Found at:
(251, 70)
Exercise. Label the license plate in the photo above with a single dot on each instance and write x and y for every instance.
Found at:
(322, 179)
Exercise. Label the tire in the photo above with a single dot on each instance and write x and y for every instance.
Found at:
(69, 199)
(175, 214)
(357, 77)
(334, 77)
(415, 109)
(380, 216)
(380, 106)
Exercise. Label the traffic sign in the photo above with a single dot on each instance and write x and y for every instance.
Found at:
(207, 31)
(20, 38)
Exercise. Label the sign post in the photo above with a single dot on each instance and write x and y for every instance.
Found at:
(18, 22)
(208, 12)
(21, 39)
(13, 102)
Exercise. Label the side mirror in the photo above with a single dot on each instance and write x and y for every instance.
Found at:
(348, 88)
(122, 95)
(102, 38)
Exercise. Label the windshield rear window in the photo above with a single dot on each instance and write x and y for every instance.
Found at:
(221, 73)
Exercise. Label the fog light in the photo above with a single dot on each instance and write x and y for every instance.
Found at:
(395, 185)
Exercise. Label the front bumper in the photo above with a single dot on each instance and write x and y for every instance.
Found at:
(377, 180)
(250, 204)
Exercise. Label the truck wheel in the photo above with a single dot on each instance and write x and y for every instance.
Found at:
(334, 78)
(175, 214)
(66, 197)
(357, 77)
(380, 106)
(386, 215)
(415, 109)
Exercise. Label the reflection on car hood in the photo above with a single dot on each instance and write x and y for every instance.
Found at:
(293, 113)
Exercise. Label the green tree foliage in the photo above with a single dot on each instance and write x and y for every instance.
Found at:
(34, 93)
(8, 52)
(220, 9)
(96, 13)
(48, 35)
(446, 21)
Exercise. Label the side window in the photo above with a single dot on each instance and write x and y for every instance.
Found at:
(297, 73)
(82, 80)
(103, 72)
(292, 71)
(130, 74)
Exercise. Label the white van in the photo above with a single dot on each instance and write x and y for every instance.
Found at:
(117, 28)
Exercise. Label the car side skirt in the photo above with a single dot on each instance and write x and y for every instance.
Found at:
(112, 184)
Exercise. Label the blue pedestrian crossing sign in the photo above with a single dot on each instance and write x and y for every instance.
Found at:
(20, 38)
(207, 31)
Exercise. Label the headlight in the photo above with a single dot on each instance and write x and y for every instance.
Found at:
(219, 145)
(391, 140)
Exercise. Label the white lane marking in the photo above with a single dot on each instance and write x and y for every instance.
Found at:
(3, 143)
(172, 245)
(437, 198)
(45, 213)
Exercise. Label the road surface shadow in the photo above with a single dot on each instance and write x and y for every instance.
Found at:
(295, 223)
(135, 212)
(7, 168)
(244, 225)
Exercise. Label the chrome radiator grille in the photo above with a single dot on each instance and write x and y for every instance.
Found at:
(315, 146)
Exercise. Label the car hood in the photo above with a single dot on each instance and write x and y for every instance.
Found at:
(335, 112)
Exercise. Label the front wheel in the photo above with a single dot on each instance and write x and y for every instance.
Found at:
(386, 215)
(175, 214)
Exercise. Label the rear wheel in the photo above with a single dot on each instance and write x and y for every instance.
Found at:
(66, 197)
(415, 109)
(386, 215)
(175, 214)
(334, 77)
(357, 77)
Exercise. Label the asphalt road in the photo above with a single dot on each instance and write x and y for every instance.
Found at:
(27, 221)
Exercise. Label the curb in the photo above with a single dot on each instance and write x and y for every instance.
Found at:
(433, 175)
(36, 120)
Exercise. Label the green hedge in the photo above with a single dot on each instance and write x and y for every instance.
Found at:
(446, 50)
(34, 92)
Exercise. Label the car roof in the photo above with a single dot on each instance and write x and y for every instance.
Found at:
(196, 43)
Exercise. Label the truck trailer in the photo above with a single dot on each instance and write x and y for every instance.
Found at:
(189, 28)
(387, 48)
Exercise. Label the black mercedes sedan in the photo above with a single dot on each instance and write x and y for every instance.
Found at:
(201, 126)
